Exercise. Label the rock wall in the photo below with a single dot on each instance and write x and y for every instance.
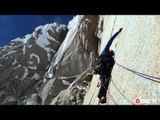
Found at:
(76, 61)
(135, 76)
(23, 62)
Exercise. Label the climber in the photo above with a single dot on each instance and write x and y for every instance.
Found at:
(105, 65)
(106, 62)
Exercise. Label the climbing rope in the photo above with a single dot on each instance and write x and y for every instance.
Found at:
(149, 77)
(122, 93)
(112, 99)
(152, 78)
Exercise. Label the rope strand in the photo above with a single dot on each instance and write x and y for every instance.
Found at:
(149, 77)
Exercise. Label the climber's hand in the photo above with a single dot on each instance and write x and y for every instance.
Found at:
(120, 29)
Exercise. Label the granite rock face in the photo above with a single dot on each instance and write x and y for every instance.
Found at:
(72, 62)
(135, 76)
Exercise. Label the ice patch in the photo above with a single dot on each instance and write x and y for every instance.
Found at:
(42, 42)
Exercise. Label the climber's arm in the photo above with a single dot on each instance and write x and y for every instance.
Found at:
(110, 41)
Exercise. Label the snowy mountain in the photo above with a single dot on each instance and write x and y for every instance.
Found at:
(24, 61)
(38, 68)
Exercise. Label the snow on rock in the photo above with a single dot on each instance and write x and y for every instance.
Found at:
(43, 42)
(38, 28)
(27, 37)
(50, 75)
(26, 71)
(14, 62)
(11, 52)
(32, 67)
(17, 39)
(23, 62)
(36, 56)
(48, 36)
(19, 65)
(24, 40)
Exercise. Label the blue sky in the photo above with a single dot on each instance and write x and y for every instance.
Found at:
(13, 26)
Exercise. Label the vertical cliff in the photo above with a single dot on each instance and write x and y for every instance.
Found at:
(135, 75)
(75, 62)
